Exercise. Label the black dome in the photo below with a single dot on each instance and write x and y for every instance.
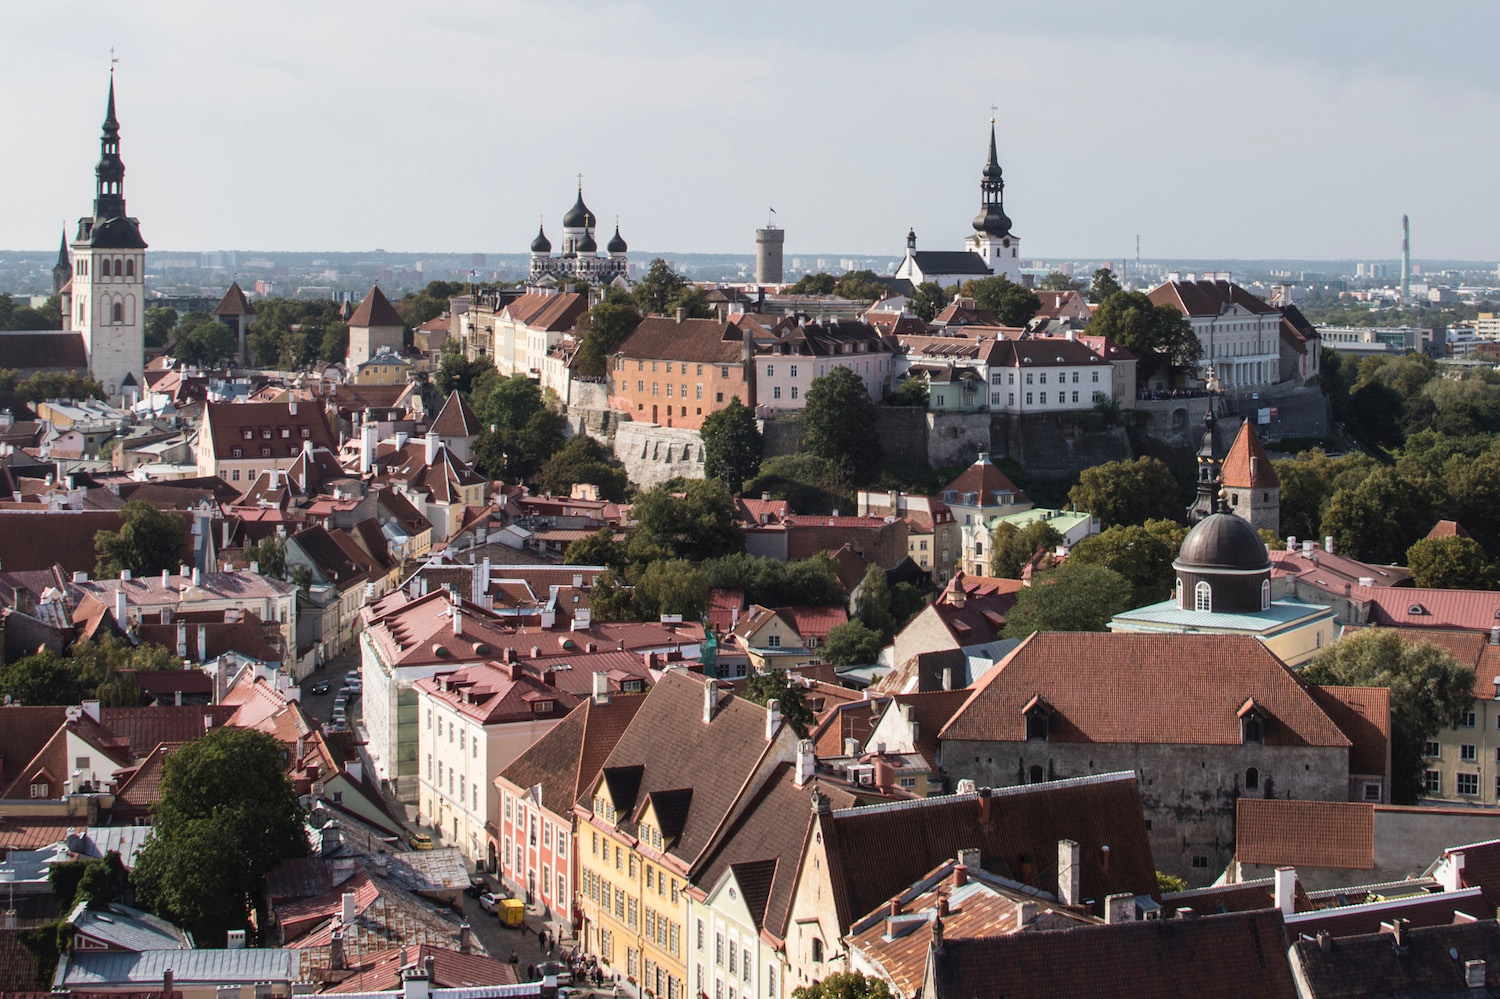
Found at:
(993, 221)
(1223, 541)
(616, 243)
(587, 245)
(541, 244)
(578, 216)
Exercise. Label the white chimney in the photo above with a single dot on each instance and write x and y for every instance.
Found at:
(1069, 872)
(432, 446)
(291, 408)
(182, 639)
(367, 448)
(197, 576)
(1291, 542)
(235, 940)
(1450, 873)
(807, 762)
(202, 642)
(710, 699)
(458, 620)
(601, 688)
(347, 912)
(773, 718)
(1328, 544)
(166, 578)
(122, 606)
(1119, 908)
(90, 708)
(1286, 890)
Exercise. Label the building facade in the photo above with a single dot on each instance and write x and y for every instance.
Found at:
(579, 256)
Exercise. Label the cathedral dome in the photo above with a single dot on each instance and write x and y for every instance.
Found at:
(1223, 541)
(579, 216)
(992, 220)
(541, 244)
(616, 243)
(587, 245)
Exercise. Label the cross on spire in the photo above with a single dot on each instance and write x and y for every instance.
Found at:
(112, 60)
(580, 183)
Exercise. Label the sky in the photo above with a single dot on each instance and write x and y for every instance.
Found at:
(1233, 130)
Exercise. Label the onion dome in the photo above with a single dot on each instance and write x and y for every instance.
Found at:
(541, 244)
(579, 216)
(992, 221)
(1223, 541)
(587, 244)
(616, 243)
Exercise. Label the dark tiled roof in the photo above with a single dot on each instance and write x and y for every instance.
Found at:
(376, 310)
(565, 762)
(1364, 715)
(234, 303)
(44, 349)
(1431, 961)
(704, 340)
(1016, 834)
(1212, 957)
(1144, 688)
(457, 418)
(1279, 833)
(229, 423)
(1208, 298)
(951, 262)
(43, 539)
(986, 479)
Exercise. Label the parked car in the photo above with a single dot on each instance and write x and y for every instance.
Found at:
(557, 969)
(321, 687)
(355, 687)
(477, 886)
(352, 676)
(419, 841)
(490, 901)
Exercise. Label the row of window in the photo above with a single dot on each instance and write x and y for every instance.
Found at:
(1464, 784)
(109, 267)
(464, 787)
(1467, 752)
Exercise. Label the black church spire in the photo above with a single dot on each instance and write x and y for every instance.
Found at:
(110, 226)
(992, 220)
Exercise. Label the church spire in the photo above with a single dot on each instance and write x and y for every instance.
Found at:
(109, 174)
(1208, 500)
(992, 220)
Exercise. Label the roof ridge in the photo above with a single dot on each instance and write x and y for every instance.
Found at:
(995, 792)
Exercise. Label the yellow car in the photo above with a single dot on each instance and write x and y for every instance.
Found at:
(419, 841)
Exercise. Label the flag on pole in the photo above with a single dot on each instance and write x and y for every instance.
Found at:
(773, 211)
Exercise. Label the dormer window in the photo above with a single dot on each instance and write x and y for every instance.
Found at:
(1252, 723)
(1038, 714)
(542, 707)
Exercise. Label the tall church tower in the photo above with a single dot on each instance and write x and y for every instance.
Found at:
(992, 239)
(109, 276)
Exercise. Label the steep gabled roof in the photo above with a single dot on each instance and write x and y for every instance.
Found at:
(457, 418)
(708, 341)
(1247, 466)
(565, 761)
(234, 303)
(376, 310)
(986, 479)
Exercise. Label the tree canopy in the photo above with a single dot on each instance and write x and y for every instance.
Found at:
(1452, 563)
(1011, 547)
(844, 985)
(1103, 285)
(1128, 492)
(770, 582)
(583, 459)
(293, 333)
(1159, 335)
(851, 644)
(696, 526)
(599, 548)
(228, 814)
(1073, 597)
(604, 327)
(731, 445)
(761, 687)
(839, 424)
(202, 341)
(146, 543)
(1141, 553)
(1430, 691)
(1058, 281)
(103, 670)
(654, 291)
(809, 483)
(1014, 304)
(930, 299)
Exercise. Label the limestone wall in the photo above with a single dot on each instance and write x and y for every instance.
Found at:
(652, 454)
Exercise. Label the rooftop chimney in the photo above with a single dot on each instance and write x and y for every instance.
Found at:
(336, 951)
(710, 700)
(1025, 912)
(773, 718)
(807, 762)
(458, 620)
(347, 911)
(1474, 973)
(960, 876)
(984, 805)
(432, 446)
(1119, 908)
(464, 933)
(166, 983)
(601, 688)
(947, 677)
(122, 606)
(1069, 872)
(1451, 874)
(1286, 890)
(235, 940)
(1328, 544)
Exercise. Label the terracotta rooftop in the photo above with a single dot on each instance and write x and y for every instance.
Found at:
(376, 310)
(1208, 298)
(234, 303)
(986, 479)
(1247, 466)
(707, 341)
(1278, 832)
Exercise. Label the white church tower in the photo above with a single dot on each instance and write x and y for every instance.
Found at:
(996, 245)
(109, 277)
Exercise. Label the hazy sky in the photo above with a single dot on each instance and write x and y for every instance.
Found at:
(1246, 130)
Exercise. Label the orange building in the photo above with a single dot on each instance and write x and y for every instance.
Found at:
(674, 372)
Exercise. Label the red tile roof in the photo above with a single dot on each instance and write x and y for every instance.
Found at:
(376, 310)
(457, 418)
(985, 478)
(227, 424)
(1278, 833)
(381, 971)
(1247, 466)
(495, 694)
(1333, 572)
(1143, 688)
(707, 341)
(1448, 529)
(44, 350)
(1407, 607)
(1208, 298)
(234, 303)
(1364, 715)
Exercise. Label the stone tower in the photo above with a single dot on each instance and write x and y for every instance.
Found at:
(375, 325)
(109, 276)
(768, 245)
(1250, 483)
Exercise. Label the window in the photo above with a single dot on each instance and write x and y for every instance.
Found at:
(631, 913)
(719, 949)
(1028, 398)
(794, 371)
(724, 372)
(731, 959)
(1043, 399)
(718, 397)
(1037, 724)
(1043, 378)
(1203, 596)
(1096, 376)
(1265, 594)
(1200, 863)
(1075, 396)
(1252, 729)
(700, 935)
(673, 942)
(1468, 754)
(794, 391)
(776, 392)
(1468, 721)
(770, 371)
(1433, 782)
(700, 387)
(1029, 377)
(1252, 779)
(1467, 784)
(1372, 792)
(1075, 378)
(817, 950)
(40, 789)
(771, 980)
(117, 313)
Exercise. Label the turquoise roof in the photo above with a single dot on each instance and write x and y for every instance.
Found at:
(1062, 520)
(1166, 616)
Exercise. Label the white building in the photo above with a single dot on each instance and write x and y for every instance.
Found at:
(1240, 334)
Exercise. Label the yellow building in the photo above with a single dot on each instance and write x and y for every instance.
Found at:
(385, 368)
(685, 768)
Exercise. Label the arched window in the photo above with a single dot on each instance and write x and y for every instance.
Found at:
(1265, 594)
(1037, 775)
(1203, 596)
(104, 268)
(1179, 594)
(117, 313)
(130, 268)
(1252, 779)
(119, 267)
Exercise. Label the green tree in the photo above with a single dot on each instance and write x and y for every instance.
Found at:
(1070, 598)
(160, 321)
(693, 301)
(860, 286)
(1307, 482)
(1169, 883)
(1011, 547)
(1159, 335)
(656, 289)
(1451, 563)
(771, 582)
(839, 424)
(1014, 304)
(44, 678)
(59, 385)
(669, 586)
(522, 430)
(598, 548)
(1376, 520)
(1058, 281)
(1143, 556)
(270, 557)
(1103, 285)
(852, 643)
(844, 985)
(761, 687)
(873, 605)
(228, 814)
(147, 542)
(814, 284)
(929, 300)
(914, 391)
(200, 340)
(809, 483)
(732, 445)
(696, 526)
(429, 303)
(456, 373)
(1127, 492)
(583, 459)
(1430, 691)
(604, 327)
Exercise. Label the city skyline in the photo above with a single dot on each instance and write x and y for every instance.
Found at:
(393, 128)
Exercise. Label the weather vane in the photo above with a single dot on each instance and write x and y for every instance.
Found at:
(112, 60)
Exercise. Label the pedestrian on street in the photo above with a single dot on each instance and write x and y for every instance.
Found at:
(513, 959)
(531, 972)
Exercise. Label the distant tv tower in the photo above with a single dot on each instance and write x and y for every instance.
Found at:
(1405, 258)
